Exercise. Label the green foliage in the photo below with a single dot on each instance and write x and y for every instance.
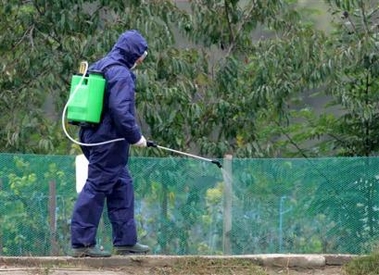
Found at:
(352, 80)
(322, 205)
(354, 204)
(221, 77)
(179, 203)
(24, 192)
(180, 87)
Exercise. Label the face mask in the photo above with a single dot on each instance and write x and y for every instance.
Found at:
(143, 56)
(139, 60)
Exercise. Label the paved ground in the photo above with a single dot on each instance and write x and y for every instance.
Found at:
(289, 264)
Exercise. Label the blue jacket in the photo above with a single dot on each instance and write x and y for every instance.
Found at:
(118, 116)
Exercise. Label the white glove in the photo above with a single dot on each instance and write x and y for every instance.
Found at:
(141, 143)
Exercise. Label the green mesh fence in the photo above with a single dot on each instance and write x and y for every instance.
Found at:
(186, 206)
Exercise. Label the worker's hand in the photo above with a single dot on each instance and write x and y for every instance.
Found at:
(141, 143)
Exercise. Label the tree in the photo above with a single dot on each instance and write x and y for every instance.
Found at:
(343, 71)
(192, 97)
(353, 85)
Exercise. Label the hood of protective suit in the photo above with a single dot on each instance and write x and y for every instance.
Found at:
(130, 46)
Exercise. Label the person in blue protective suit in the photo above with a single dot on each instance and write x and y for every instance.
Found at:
(109, 180)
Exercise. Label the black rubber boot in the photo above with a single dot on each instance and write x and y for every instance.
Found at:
(131, 249)
(92, 251)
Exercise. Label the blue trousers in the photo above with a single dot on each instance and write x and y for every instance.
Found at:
(103, 185)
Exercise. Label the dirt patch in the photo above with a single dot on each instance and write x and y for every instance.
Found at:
(302, 271)
(165, 265)
(229, 270)
(171, 271)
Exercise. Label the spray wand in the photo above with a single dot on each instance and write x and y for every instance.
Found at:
(153, 144)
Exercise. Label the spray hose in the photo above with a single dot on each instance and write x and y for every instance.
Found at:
(65, 110)
(153, 144)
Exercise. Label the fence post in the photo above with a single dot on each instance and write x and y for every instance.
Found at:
(227, 204)
(52, 217)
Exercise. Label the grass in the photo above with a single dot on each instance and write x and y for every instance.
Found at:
(365, 265)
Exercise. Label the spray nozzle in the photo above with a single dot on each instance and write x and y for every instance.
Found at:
(217, 163)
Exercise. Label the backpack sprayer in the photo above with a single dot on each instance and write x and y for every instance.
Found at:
(85, 105)
(86, 97)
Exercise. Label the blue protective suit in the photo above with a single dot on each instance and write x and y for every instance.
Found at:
(108, 177)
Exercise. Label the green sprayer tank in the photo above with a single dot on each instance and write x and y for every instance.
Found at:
(86, 100)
